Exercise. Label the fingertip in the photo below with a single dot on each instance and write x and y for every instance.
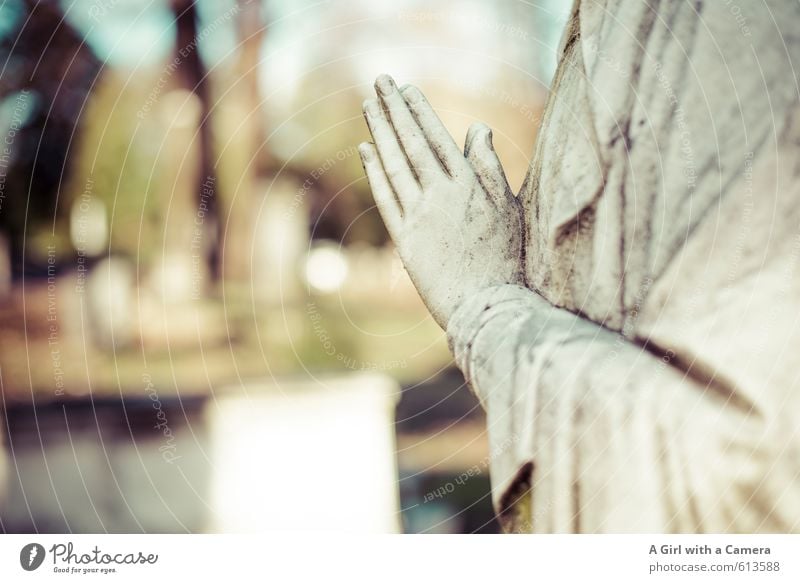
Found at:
(411, 94)
(370, 107)
(384, 84)
(478, 127)
(475, 130)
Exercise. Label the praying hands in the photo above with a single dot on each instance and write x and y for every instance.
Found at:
(452, 215)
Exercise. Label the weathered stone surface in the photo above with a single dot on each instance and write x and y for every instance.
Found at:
(640, 377)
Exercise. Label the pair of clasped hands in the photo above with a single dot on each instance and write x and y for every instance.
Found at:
(456, 224)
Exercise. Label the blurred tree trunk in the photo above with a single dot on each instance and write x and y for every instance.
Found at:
(239, 224)
(194, 78)
(51, 69)
(251, 38)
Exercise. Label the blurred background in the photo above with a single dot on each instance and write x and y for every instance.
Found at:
(203, 324)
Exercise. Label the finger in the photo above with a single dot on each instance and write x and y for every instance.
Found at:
(437, 135)
(475, 130)
(414, 143)
(382, 192)
(482, 157)
(391, 154)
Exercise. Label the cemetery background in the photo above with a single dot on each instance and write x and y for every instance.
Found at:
(203, 326)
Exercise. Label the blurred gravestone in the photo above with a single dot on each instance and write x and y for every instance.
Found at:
(281, 238)
(110, 302)
(299, 455)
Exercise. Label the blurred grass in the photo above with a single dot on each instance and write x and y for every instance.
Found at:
(210, 344)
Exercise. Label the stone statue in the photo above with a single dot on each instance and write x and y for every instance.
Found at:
(631, 319)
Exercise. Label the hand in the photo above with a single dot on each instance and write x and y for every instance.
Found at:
(456, 224)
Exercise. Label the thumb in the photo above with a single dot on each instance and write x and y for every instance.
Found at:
(480, 154)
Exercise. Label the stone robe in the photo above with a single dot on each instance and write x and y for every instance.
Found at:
(646, 378)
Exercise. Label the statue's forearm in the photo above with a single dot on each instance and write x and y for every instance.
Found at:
(600, 419)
